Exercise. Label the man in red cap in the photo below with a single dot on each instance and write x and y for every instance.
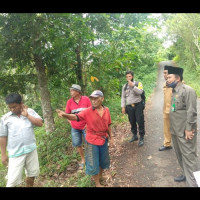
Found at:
(98, 121)
(76, 104)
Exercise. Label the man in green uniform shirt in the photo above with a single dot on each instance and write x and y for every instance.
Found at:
(183, 125)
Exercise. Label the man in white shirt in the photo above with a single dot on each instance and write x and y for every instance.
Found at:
(17, 134)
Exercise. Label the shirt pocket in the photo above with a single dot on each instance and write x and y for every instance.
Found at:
(179, 105)
(27, 124)
(127, 92)
(14, 129)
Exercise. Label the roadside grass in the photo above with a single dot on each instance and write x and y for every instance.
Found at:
(3, 173)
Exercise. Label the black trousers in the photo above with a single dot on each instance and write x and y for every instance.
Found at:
(136, 116)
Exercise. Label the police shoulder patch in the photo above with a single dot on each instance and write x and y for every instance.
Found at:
(140, 86)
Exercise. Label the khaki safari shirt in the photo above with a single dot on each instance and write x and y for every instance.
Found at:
(167, 98)
(184, 114)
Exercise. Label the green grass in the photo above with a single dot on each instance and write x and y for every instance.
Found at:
(3, 173)
(114, 106)
(80, 179)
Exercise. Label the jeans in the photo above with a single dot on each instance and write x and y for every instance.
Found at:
(97, 156)
(77, 137)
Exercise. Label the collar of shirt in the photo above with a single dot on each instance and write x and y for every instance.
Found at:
(177, 88)
(78, 101)
(93, 108)
(165, 85)
(14, 115)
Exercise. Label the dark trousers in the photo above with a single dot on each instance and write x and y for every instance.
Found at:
(136, 116)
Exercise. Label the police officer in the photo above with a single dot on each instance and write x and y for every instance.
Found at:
(131, 103)
(183, 125)
(166, 108)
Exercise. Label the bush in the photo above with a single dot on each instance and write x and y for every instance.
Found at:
(176, 58)
(54, 149)
(190, 78)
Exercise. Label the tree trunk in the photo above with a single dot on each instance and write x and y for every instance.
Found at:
(193, 56)
(45, 96)
(79, 70)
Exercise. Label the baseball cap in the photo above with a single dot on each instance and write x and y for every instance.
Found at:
(76, 87)
(97, 93)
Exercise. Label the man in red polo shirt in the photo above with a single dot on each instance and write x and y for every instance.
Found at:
(75, 105)
(98, 130)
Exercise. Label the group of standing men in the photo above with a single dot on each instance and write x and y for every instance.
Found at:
(17, 134)
(180, 123)
(91, 121)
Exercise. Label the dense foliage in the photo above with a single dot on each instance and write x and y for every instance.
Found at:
(183, 29)
(73, 48)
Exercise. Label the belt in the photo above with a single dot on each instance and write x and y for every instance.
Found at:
(99, 133)
(102, 134)
(134, 104)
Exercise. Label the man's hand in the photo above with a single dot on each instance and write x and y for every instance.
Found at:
(123, 111)
(60, 112)
(189, 134)
(24, 111)
(131, 83)
(4, 160)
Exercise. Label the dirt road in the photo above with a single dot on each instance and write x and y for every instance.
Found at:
(146, 166)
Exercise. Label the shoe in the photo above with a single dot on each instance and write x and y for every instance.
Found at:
(180, 178)
(134, 138)
(162, 148)
(141, 142)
